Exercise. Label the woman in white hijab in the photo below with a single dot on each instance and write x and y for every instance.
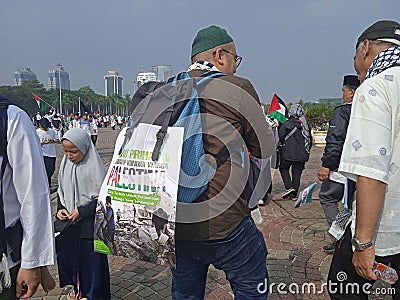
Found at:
(80, 177)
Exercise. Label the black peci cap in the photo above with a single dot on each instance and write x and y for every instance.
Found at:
(385, 30)
(351, 80)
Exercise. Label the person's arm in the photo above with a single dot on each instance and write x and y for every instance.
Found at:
(29, 175)
(55, 137)
(335, 137)
(334, 141)
(62, 212)
(370, 198)
(366, 158)
(258, 137)
(283, 131)
(109, 214)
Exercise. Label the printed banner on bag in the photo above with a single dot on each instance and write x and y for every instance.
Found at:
(138, 197)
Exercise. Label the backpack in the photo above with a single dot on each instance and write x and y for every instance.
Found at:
(176, 103)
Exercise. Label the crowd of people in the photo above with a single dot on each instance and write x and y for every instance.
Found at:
(227, 237)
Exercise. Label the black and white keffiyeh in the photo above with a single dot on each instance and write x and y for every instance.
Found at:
(297, 111)
(386, 59)
(203, 65)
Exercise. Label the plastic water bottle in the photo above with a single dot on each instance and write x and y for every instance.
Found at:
(256, 215)
(385, 273)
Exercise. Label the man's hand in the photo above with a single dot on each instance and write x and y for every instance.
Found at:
(363, 262)
(323, 173)
(47, 280)
(27, 282)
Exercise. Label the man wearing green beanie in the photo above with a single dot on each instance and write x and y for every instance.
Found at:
(217, 228)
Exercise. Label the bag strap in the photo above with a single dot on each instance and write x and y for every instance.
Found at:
(290, 133)
(163, 130)
(152, 86)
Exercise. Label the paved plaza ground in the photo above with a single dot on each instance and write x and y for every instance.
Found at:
(294, 238)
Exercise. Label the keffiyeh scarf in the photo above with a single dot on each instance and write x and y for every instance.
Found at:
(386, 59)
(297, 111)
(203, 65)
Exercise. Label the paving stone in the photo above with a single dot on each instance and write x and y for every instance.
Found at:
(294, 238)
(165, 292)
(121, 293)
(52, 297)
(126, 284)
(145, 292)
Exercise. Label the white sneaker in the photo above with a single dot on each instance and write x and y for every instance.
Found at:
(288, 193)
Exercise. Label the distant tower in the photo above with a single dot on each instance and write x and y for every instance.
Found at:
(113, 83)
(56, 75)
(23, 74)
(144, 77)
(163, 72)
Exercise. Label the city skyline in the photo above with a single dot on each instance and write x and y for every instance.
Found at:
(297, 49)
(132, 85)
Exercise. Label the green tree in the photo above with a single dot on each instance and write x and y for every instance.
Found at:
(318, 116)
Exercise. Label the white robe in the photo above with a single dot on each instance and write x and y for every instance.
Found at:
(26, 193)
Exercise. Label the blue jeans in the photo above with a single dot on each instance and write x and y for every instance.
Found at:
(241, 255)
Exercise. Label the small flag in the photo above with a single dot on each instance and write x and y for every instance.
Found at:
(277, 109)
(305, 196)
(39, 101)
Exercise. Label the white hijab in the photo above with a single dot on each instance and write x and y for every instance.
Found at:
(79, 183)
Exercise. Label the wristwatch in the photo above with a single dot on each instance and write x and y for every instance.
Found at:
(360, 246)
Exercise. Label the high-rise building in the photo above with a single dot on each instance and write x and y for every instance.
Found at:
(23, 74)
(58, 75)
(144, 77)
(163, 72)
(113, 83)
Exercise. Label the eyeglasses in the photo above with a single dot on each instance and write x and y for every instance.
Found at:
(238, 59)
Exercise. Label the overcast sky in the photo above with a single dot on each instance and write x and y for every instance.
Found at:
(298, 49)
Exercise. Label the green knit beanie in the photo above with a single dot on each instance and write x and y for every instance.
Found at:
(208, 38)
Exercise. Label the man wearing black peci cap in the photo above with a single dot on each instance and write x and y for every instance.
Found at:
(371, 157)
(331, 191)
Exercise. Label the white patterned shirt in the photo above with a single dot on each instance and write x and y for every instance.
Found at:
(372, 149)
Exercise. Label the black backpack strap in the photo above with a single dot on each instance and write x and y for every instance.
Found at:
(168, 115)
(3, 152)
(163, 131)
(144, 91)
(290, 133)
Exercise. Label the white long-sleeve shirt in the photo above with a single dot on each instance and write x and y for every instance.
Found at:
(26, 193)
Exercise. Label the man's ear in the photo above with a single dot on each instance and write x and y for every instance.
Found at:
(366, 44)
(219, 56)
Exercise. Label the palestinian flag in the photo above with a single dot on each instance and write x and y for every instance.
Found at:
(39, 101)
(277, 109)
(305, 196)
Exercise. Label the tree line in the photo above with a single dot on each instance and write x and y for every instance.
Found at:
(22, 96)
(317, 114)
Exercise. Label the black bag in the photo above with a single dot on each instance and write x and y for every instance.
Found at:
(276, 157)
(259, 179)
(61, 225)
